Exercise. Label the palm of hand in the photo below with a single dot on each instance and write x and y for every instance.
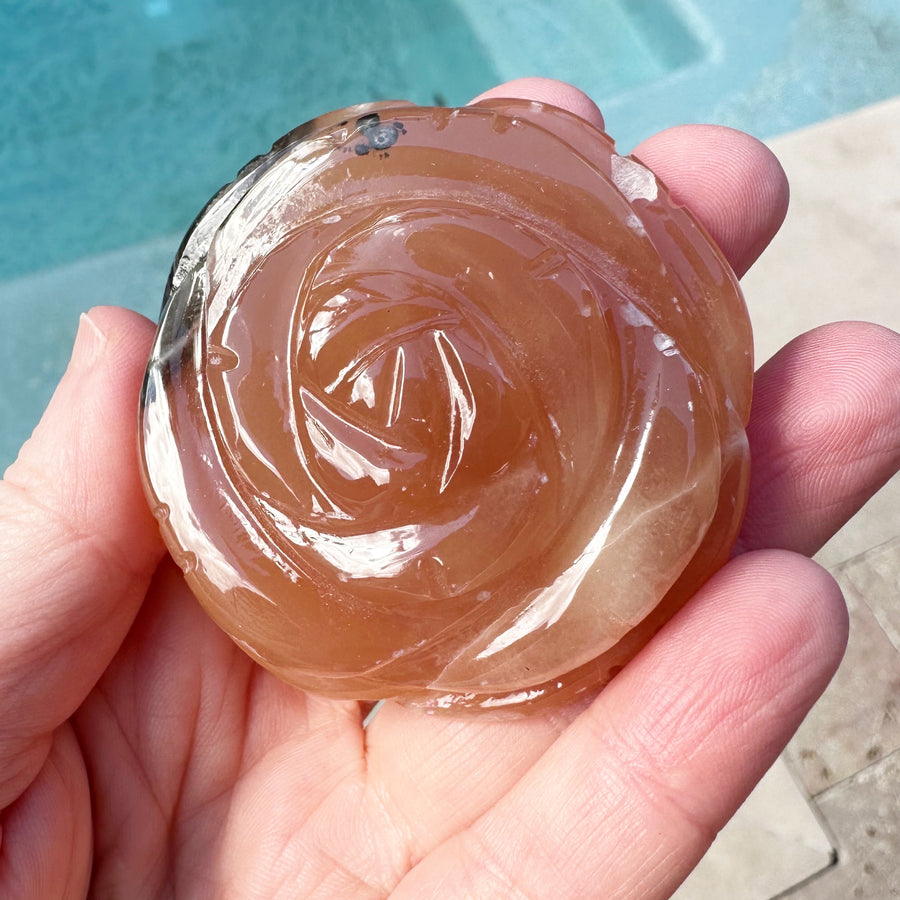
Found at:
(278, 793)
(216, 762)
(143, 755)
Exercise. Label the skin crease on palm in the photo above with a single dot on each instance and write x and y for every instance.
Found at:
(142, 755)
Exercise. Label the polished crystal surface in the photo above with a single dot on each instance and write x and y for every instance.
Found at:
(447, 405)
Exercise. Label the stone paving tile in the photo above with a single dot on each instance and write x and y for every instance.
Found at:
(863, 813)
(856, 721)
(836, 256)
(874, 524)
(772, 843)
(875, 576)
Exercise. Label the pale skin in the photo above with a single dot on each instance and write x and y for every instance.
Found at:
(142, 755)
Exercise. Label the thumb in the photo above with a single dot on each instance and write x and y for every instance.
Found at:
(77, 542)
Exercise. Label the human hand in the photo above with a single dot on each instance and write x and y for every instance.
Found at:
(142, 754)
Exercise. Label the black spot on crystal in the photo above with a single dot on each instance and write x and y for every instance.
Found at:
(382, 136)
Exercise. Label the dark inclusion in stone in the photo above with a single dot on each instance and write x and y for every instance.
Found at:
(377, 135)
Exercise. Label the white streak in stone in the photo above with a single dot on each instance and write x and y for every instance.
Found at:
(636, 182)
(551, 602)
(462, 401)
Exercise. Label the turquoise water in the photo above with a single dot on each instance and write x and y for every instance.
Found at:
(120, 117)
(127, 115)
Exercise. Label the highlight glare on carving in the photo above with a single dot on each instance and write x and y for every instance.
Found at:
(457, 418)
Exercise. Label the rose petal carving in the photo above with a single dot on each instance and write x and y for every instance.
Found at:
(447, 405)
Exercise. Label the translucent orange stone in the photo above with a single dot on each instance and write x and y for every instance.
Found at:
(447, 405)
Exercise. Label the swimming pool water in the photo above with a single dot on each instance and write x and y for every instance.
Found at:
(126, 116)
(121, 117)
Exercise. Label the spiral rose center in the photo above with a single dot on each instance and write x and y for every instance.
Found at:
(400, 398)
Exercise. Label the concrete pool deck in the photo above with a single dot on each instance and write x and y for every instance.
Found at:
(824, 823)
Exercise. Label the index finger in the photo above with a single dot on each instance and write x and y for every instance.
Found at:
(729, 180)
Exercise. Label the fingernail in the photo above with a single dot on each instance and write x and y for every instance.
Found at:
(89, 343)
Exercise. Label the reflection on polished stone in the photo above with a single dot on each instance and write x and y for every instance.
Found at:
(448, 406)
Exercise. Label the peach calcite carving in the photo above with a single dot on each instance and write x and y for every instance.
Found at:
(447, 405)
